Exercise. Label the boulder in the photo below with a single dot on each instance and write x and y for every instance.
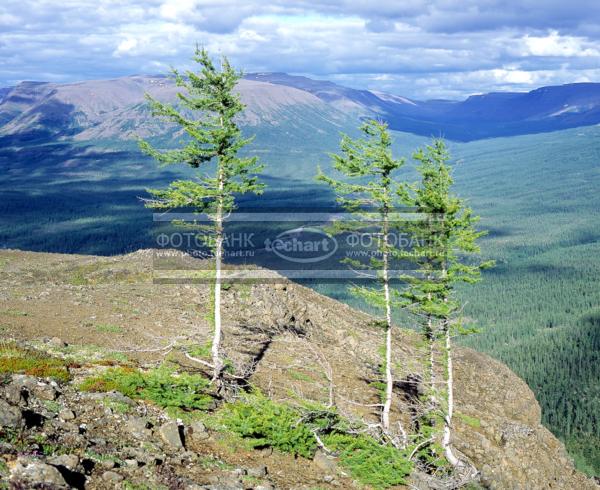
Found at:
(34, 474)
(69, 461)
(258, 471)
(197, 431)
(170, 434)
(10, 416)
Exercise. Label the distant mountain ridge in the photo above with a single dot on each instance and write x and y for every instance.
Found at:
(479, 116)
(116, 108)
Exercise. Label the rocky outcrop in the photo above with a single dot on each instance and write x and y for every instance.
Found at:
(290, 341)
(498, 420)
(498, 426)
(108, 441)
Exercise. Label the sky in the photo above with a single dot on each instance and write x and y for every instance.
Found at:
(415, 48)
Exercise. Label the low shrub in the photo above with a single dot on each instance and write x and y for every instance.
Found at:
(162, 386)
(368, 461)
(266, 423)
(263, 423)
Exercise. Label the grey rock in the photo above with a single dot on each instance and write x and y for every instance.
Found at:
(197, 431)
(131, 463)
(14, 394)
(169, 433)
(45, 391)
(258, 471)
(148, 454)
(66, 414)
(10, 416)
(69, 461)
(227, 485)
(107, 464)
(325, 462)
(36, 474)
(18, 390)
(111, 395)
(265, 486)
(139, 427)
(239, 472)
(57, 342)
(111, 477)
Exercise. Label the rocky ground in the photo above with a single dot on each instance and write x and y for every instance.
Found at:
(287, 340)
(54, 436)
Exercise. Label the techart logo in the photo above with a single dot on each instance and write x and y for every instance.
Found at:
(303, 245)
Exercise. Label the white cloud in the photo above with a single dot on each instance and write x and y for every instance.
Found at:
(416, 48)
(513, 76)
(177, 9)
(556, 45)
(126, 46)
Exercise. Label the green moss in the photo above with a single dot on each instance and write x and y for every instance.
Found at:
(13, 312)
(129, 485)
(470, 421)
(19, 360)
(52, 406)
(263, 423)
(117, 406)
(100, 458)
(108, 328)
(299, 376)
(79, 276)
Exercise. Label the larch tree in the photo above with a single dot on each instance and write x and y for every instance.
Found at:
(206, 111)
(446, 252)
(369, 188)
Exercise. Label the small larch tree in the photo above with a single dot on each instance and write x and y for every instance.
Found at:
(369, 188)
(206, 111)
(446, 252)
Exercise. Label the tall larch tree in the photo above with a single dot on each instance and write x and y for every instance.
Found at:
(370, 160)
(206, 111)
(447, 253)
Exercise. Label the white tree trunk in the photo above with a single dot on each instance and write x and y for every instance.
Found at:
(432, 386)
(216, 343)
(389, 380)
(452, 459)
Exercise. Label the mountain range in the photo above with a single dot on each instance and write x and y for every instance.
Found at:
(116, 109)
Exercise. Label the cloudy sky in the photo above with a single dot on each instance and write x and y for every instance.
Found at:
(417, 48)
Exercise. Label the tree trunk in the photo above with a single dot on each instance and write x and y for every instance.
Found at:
(431, 361)
(216, 343)
(389, 380)
(452, 459)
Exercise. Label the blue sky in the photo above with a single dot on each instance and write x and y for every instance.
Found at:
(415, 48)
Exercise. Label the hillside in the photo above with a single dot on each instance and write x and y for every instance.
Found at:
(98, 311)
(479, 116)
(106, 109)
